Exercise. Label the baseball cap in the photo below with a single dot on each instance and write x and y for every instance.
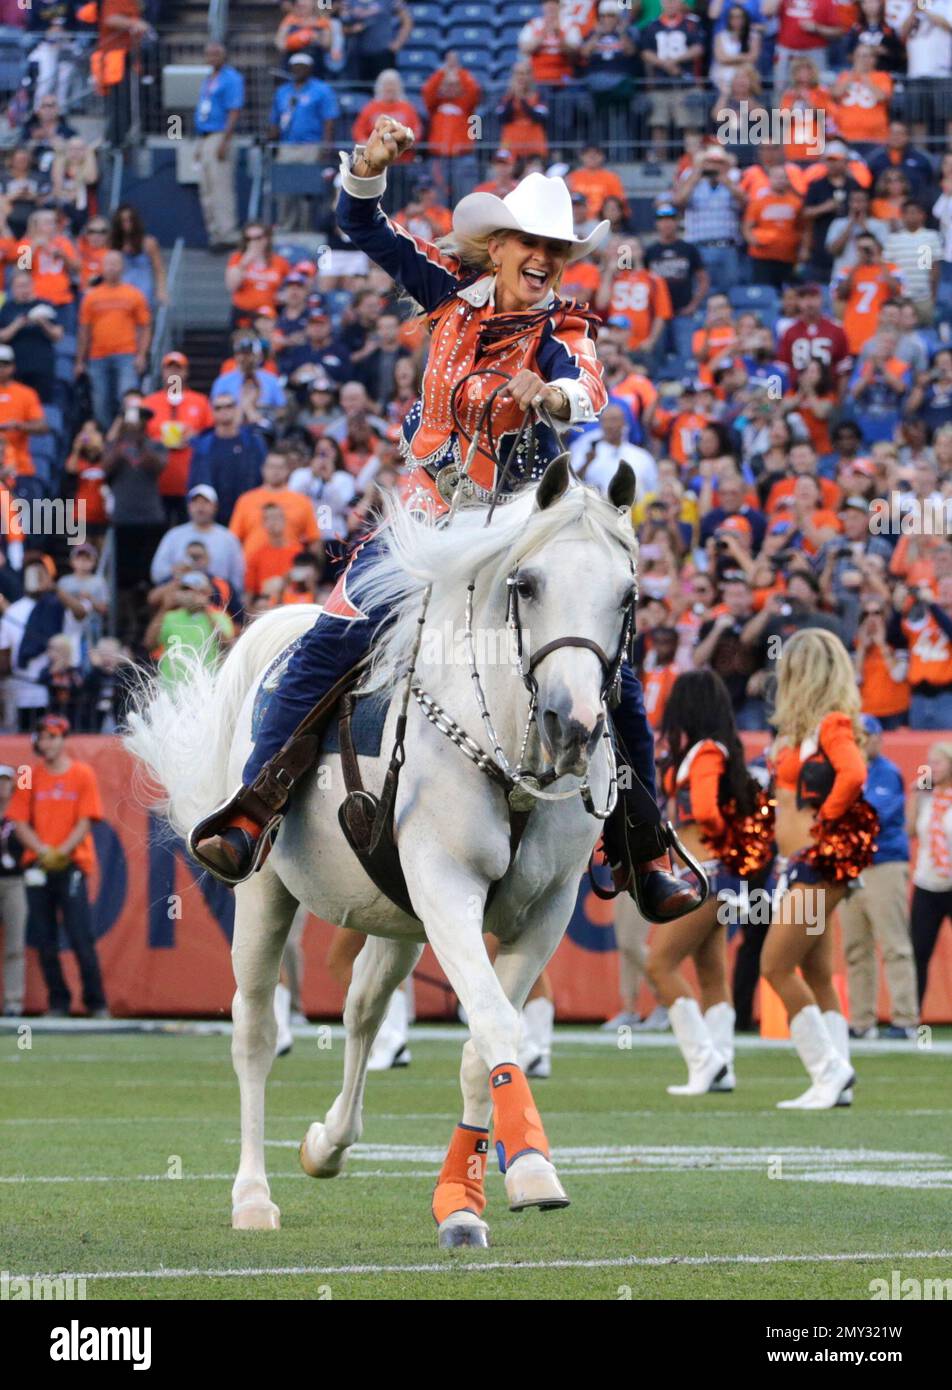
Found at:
(811, 288)
(837, 149)
(735, 577)
(265, 311)
(736, 523)
(870, 723)
(194, 579)
(502, 157)
(864, 466)
(6, 353)
(666, 210)
(53, 724)
(246, 344)
(858, 504)
(7, 771)
(301, 58)
(178, 358)
(306, 268)
(203, 490)
(295, 278)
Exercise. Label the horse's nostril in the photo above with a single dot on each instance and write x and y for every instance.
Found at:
(552, 725)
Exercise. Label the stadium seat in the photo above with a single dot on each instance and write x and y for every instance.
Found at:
(336, 301)
(474, 36)
(760, 298)
(426, 13)
(422, 60)
(428, 36)
(477, 60)
(523, 11)
(473, 13)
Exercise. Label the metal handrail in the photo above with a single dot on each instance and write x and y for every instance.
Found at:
(164, 324)
(116, 169)
(218, 20)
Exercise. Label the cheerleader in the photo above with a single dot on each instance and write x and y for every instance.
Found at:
(826, 836)
(722, 817)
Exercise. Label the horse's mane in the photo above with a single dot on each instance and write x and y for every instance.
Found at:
(416, 553)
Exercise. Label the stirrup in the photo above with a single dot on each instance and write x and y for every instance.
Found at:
(669, 837)
(262, 848)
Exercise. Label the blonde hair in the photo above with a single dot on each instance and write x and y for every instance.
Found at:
(942, 749)
(816, 678)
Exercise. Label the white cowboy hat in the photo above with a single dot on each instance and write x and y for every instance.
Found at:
(538, 205)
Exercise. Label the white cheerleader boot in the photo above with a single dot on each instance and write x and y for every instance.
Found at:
(535, 1054)
(839, 1031)
(282, 1013)
(720, 1020)
(829, 1073)
(390, 1045)
(693, 1036)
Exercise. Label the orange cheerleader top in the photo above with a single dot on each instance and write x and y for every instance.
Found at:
(695, 787)
(827, 771)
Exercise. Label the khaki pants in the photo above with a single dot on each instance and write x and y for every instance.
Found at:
(216, 189)
(13, 915)
(631, 934)
(878, 914)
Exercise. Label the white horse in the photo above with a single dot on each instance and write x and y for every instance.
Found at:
(571, 555)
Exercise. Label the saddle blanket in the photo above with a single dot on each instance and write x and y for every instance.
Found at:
(370, 711)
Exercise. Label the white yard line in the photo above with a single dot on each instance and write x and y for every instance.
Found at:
(452, 1266)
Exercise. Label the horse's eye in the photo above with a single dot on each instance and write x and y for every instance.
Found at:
(525, 588)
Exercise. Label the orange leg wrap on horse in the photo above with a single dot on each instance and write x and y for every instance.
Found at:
(517, 1125)
(460, 1184)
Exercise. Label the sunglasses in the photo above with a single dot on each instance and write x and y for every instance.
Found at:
(97, 231)
(223, 405)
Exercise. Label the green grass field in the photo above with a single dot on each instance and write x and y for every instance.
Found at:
(718, 1197)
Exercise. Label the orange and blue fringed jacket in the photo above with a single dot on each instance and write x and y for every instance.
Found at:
(556, 339)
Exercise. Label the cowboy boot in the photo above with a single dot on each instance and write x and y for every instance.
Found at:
(641, 865)
(235, 840)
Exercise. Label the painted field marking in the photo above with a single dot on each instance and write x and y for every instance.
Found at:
(452, 1266)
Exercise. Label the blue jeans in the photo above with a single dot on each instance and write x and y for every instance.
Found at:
(109, 379)
(337, 642)
(62, 899)
(931, 711)
(720, 262)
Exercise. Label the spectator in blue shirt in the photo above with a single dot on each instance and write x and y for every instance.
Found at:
(302, 122)
(304, 110)
(257, 392)
(877, 912)
(228, 457)
(220, 101)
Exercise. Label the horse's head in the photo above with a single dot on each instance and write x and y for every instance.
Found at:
(572, 598)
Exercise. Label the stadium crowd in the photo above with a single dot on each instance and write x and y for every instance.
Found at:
(776, 333)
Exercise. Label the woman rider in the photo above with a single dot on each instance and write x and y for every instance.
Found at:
(490, 299)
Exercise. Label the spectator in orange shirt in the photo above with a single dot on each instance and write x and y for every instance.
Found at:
(659, 673)
(21, 414)
(389, 99)
(115, 325)
(424, 215)
(814, 398)
(178, 416)
(522, 114)
(864, 290)
(57, 832)
(809, 103)
(91, 247)
(502, 178)
(551, 46)
(271, 557)
(451, 95)
(634, 294)
(254, 274)
(247, 519)
(713, 346)
(773, 230)
(861, 98)
(53, 259)
(803, 461)
(596, 182)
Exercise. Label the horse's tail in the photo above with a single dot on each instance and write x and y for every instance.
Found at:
(182, 731)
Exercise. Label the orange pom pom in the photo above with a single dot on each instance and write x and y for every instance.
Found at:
(746, 846)
(843, 848)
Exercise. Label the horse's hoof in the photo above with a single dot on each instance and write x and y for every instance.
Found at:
(463, 1228)
(255, 1216)
(531, 1181)
(319, 1159)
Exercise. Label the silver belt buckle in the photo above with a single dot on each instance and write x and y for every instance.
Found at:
(449, 478)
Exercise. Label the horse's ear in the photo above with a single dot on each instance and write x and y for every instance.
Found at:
(553, 483)
(622, 488)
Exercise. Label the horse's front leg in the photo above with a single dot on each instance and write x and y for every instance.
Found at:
(451, 902)
(380, 967)
(263, 913)
(458, 1201)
